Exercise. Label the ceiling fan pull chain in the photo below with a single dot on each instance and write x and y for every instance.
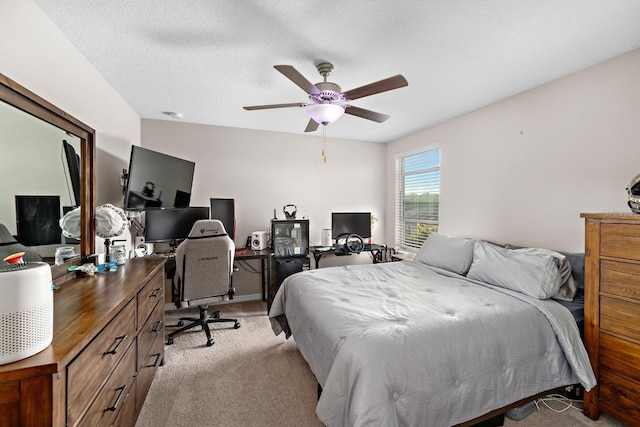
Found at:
(324, 143)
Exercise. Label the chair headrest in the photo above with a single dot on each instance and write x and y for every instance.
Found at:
(5, 236)
(207, 228)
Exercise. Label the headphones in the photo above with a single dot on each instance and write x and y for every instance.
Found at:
(291, 215)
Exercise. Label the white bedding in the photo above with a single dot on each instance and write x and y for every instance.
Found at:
(404, 344)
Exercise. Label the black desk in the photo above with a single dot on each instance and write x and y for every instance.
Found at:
(265, 264)
(264, 256)
(338, 250)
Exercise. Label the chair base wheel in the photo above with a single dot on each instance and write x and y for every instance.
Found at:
(209, 342)
(236, 325)
(170, 341)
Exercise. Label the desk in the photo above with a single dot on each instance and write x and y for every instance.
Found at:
(338, 250)
(265, 264)
(264, 256)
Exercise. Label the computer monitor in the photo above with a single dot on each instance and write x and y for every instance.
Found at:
(225, 211)
(351, 223)
(171, 225)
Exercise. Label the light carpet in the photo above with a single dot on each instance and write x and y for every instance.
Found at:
(250, 377)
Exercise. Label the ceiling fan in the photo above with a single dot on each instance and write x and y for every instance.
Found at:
(328, 102)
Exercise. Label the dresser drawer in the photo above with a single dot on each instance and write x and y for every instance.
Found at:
(619, 396)
(114, 394)
(152, 329)
(148, 370)
(620, 241)
(619, 317)
(86, 373)
(9, 392)
(620, 278)
(149, 296)
(620, 356)
(127, 414)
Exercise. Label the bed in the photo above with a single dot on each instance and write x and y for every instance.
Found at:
(464, 330)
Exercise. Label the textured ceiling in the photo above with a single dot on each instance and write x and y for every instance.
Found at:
(207, 59)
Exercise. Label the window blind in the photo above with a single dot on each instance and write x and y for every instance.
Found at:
(417, 198)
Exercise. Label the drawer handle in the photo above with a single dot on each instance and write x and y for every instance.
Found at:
(156, 326)
(120, 340)
(117, 402)
(155, 362)
(155, 293)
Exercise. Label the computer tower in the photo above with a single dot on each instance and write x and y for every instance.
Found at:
(290, 237)
(283, 268)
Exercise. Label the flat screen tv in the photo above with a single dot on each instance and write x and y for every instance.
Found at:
(351, 223)
(157, 180)
(224, 210)
(171, 225)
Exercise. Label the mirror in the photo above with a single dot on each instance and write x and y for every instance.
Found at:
(47, 150)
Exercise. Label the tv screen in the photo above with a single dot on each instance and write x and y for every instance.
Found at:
(171, 225)
(37, 220)
(351, 223)
(224, 210)
(157, 180)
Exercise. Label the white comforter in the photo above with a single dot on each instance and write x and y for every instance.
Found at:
(404, 344)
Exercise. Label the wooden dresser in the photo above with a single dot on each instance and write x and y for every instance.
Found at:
(612, 314)
(108, 341)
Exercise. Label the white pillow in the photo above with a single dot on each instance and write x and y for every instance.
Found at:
(449, 253)
(536, 275)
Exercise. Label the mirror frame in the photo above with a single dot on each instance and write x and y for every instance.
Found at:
(20, 97)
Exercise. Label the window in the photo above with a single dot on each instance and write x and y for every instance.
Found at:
(417, 198)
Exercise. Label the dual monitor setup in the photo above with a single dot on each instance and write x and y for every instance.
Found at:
(160, 185)
(171, 225)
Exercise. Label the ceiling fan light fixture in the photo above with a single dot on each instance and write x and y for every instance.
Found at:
(324, 113)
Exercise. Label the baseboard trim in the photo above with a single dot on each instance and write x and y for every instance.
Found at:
(236, 298)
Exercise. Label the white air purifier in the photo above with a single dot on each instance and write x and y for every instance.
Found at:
(26, 310)
(326, 237)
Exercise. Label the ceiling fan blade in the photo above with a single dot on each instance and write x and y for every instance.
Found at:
(365, 114)
(311, 126)
(295, 76)
(390, 83)
(265, 107)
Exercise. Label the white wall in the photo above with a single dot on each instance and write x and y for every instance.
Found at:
(522, 170)
(39, 57)
(264, 171)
